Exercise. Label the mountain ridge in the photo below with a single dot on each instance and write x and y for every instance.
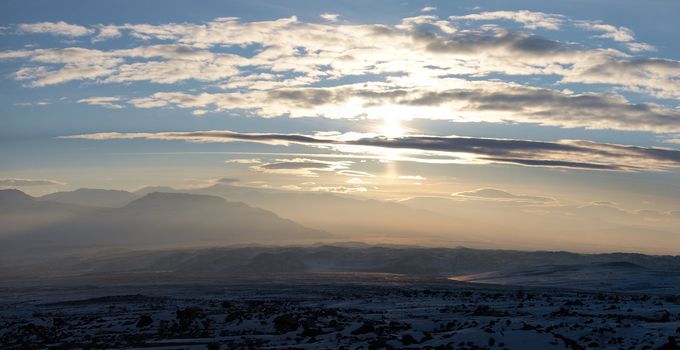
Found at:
(157, 219)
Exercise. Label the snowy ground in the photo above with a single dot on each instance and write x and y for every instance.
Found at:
(351, 311)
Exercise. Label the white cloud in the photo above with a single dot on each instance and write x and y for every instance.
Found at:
(106, 32)
(29, 104)
(423, 48)
(494, 194)
(640, 47)
(355, 181)
(411, 177)
(243, 161)
(339, 189)
(529, 19)
(147, 102)
(301, 166)
(404, 65)
(428, 9)
(331, 17)
(103, 101)
(608, 31)
(55, 28)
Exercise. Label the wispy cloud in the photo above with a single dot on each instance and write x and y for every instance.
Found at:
(13, 182)
(244, 161)
(411, 177)
(55, 28)
(608, 31)
(529, 19)
(107, 32)
(301, 166)
(103, 101)
(339, 189)
(575, 154)
(332, 17)
(500, 195)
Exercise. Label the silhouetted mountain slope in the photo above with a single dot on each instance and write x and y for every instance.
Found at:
(93, 197)
(20, 212)
(161, 220)
(13, 196)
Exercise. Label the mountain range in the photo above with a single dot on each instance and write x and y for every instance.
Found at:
(41, 227)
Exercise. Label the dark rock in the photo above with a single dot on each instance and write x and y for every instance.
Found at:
(286, 323)
(367, 327)
(144, 321)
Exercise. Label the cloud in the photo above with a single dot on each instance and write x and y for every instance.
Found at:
(226, 181)
(331, 17)
(107, 32)
(428, 9)
(55, 28)
(29, 104)
(529, 19)
(356, 181)
(103, 101)
(339, 189)
(411, 177)
(551, 21)
(9, 182)
(499, 43)
(243, 161)
(655, 76)
(355, 173)
(640, 47)
(574, 154)
(673, 139)
(500, 195)
(481, 101)
(609, 31)
(294, 53)
(422, 67)
(301, 166)
(164, 64)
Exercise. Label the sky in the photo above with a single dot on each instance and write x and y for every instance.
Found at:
(539, 105)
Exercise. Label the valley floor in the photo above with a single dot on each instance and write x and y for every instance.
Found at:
(350, 311)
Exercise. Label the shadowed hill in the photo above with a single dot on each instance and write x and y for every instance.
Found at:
(613, 271)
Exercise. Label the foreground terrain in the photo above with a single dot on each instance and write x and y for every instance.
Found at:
(352, 311)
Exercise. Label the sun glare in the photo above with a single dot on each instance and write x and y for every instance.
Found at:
(391, 127)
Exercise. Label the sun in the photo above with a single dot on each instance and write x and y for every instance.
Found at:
(391, 127)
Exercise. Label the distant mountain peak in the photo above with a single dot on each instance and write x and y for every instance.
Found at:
(95, 190)
(150, 189)
(92, 197)
(178, 196)
(14, 195)
(157, 199)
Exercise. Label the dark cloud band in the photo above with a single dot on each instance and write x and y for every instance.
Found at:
(577, 154)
